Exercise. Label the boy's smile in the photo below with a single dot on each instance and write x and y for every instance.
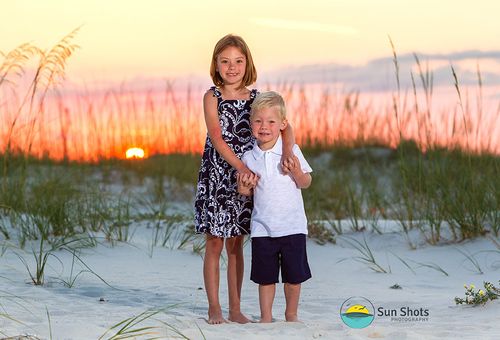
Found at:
(266, 126)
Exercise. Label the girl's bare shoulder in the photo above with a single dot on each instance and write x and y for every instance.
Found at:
(210, 95)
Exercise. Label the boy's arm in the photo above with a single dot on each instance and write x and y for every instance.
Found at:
(303, 181)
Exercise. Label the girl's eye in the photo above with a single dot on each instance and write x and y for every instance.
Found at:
(224, 61)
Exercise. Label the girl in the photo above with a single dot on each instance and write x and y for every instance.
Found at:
(220, 212)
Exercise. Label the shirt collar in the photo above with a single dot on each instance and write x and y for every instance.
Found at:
(277, 149)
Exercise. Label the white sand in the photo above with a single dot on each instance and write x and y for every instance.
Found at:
(174, 277)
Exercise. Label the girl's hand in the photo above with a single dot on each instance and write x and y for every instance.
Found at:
(246, 182)
(288, 144)
(253, 179)
(287, 154)
(291, 165)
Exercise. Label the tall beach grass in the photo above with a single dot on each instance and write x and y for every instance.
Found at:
(429, 169)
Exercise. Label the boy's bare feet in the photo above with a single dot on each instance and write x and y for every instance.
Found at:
(292, 318)
(238, 317)
(215, 317)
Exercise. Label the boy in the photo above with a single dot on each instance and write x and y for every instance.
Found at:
(278, 225)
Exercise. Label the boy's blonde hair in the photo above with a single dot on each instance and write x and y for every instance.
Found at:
(238, 42)
(269, 99)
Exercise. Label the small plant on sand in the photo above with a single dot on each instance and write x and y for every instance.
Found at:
(432, 266)
(44, 251)
(126, 328)
(405, 263)
(131, 328)
(472, 259)
(114, 218)
(41, 256)
(320, 233)
(73, 276)
(479, 297)
(366, 255)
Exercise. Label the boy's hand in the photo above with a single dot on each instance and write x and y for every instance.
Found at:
(249, 180)
(302, 179)
(292, 165)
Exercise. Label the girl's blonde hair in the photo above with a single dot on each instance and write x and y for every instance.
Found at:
(238, 42)
(269, 99)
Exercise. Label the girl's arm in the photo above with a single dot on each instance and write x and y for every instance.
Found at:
(288, 143)
(215, 133)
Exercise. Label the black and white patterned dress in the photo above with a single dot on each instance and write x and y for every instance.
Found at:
(219, 209)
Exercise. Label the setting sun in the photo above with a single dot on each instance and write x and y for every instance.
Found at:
(134, 153)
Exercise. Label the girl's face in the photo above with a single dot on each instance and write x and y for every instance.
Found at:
(231, 65)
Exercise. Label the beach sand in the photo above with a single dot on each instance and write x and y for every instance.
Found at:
(138, 280)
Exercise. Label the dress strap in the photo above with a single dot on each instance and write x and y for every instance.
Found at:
(253, 93)
(216, 92)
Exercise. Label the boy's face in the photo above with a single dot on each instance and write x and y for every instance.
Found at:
(267, 126)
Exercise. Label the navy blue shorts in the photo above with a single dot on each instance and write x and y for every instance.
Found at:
(287, 252)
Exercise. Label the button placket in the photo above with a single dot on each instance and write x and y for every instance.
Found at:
(267, 162)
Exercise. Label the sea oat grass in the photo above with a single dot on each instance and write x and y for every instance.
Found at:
(432, 265)
(366, 255)
(368, 174)
(134, 327)
(182, 167)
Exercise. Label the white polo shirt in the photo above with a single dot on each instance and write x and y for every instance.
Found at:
(278, 206)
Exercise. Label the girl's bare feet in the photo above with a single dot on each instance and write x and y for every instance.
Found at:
(215, 317)
(266, 320)
(292, 318)
(238, 317)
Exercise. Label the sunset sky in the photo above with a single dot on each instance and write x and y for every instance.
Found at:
(120, 40)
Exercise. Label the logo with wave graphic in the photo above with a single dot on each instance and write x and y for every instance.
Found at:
(357, 312)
